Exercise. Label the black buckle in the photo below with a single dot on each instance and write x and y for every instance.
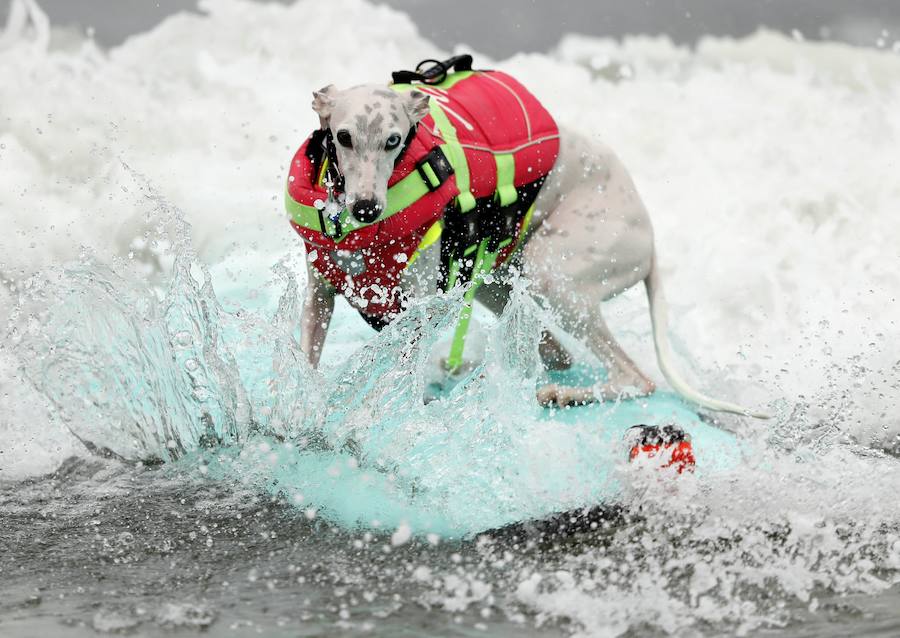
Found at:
(433, 71)
(338, 230)
(337, 178)
(440, 166)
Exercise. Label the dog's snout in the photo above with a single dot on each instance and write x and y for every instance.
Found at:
(366, 210)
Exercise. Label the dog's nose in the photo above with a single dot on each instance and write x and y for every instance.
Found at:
(366, 210)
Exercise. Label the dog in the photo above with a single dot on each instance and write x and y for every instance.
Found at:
(589, 236)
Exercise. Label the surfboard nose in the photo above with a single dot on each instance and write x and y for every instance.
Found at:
(669, 446)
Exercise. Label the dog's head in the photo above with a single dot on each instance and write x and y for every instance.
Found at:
(369, 124)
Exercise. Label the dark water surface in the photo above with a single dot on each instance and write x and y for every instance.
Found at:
(99, 548)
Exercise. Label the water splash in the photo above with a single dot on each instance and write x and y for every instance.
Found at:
(164, 375)
(142, 377)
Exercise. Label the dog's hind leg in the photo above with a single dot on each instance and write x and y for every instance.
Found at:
(579, 312)
(594, 243)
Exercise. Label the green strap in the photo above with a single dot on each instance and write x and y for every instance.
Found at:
(433, 180)
(456, 155)
(453, 274)
(506, 174)
(484, 264)
(399, 196)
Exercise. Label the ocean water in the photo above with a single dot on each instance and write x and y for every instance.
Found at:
(168, 463)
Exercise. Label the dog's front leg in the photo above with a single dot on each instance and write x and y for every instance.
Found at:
(317, 310)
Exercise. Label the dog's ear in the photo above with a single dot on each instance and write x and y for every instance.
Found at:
(323, 102)
(416, 105)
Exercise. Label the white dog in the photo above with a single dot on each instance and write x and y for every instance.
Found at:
(590, 238)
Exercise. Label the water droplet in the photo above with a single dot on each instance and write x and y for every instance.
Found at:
(183, 338)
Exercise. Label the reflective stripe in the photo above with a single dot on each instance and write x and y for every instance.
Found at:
(401, 195)
(506, 174)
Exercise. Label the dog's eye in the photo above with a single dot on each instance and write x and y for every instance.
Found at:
(392, 142)
(343, 138)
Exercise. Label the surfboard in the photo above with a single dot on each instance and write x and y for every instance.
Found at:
(366, 452)
(457, 477)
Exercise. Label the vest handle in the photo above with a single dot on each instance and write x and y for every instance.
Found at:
(434, 74)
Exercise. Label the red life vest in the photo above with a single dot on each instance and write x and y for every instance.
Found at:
(496, 137)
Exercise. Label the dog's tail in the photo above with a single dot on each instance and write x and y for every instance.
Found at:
(664, 352)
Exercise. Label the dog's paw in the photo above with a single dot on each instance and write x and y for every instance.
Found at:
(563, 396)
(632, 390)
(546, 394)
